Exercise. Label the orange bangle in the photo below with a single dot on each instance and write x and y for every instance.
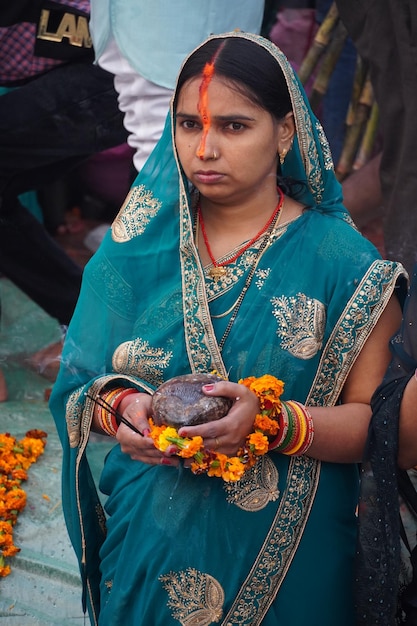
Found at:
(106, 417)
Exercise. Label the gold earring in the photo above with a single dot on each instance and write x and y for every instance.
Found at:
(282, 156)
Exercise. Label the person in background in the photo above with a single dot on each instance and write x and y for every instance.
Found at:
(233, 253)
(57, 108)
(143, 43)
(388, 504)
(385, 35)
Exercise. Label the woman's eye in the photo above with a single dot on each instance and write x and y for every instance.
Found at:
(189, 124)
(235, 126)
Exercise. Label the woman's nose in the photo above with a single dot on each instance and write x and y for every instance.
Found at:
(206, 151)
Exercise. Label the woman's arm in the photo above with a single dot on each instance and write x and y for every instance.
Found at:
(339, 432)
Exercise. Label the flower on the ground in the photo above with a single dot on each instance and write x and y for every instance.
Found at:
(15, 459)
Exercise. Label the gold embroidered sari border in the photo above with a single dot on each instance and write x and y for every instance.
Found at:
(353, 328)
(268, 572)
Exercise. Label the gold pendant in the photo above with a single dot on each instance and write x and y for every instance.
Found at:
(217, 272)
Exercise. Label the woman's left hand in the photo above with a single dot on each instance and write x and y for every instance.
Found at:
(229, 433)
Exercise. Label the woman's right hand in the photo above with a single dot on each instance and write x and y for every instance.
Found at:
(136, 408)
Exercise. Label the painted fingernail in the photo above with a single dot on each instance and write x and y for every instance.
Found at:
(208, 387)
(165, 461)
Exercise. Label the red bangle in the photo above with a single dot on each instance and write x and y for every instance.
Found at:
(119, 398)
(282, 432)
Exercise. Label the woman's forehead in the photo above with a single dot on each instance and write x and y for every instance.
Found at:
(220, 91)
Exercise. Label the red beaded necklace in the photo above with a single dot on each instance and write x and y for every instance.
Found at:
(218, 270)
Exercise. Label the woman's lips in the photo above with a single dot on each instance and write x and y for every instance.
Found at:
(209, 176)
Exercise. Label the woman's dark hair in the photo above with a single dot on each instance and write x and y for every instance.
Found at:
(250, 68)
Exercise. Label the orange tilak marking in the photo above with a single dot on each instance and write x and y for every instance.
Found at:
(203, 109)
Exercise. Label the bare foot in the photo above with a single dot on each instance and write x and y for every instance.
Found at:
(3, 388)
(46, 361)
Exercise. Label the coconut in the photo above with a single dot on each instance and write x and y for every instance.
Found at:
(180, 401)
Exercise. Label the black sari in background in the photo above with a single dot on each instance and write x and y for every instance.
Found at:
(379, 545)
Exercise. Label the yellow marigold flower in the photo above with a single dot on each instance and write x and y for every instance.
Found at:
(162, 442)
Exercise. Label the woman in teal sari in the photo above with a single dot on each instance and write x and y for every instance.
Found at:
(208, 266)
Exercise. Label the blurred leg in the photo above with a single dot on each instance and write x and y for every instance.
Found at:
(47, 127)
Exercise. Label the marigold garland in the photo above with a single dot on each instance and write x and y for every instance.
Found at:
(230, 469)
(15, 459)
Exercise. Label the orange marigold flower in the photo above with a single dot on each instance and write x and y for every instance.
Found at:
(15, 458)
(218, 464)
(10, 551)
(191, 447)
(258, 443)
(264, 423)
(19, 474)
(234, 470)
(6, 442)
(268, 384)
(4, 570)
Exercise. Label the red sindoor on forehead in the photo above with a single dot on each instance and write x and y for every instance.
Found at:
(203, 108)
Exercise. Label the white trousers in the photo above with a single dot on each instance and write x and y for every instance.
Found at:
(144, 103)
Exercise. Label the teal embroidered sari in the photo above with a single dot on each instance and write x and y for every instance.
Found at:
(276, 548)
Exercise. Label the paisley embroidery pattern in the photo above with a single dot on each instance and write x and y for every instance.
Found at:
(196, 599)
(257, 488)
(138, 358)
(301, 322)
(137, 211)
